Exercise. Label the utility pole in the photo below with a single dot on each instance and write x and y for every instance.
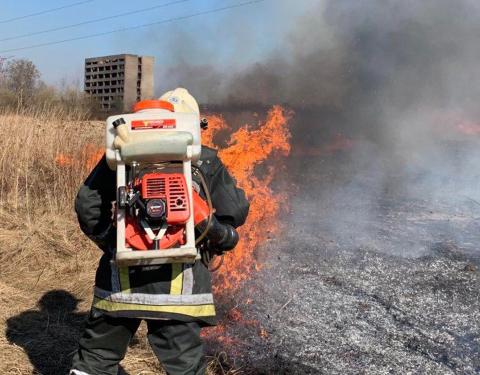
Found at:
(2, 62)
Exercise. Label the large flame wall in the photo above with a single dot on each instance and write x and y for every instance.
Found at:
(247, 149)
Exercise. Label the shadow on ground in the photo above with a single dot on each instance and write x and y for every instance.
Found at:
(49, 335)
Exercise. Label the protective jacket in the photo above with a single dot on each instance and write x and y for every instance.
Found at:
(171, 291)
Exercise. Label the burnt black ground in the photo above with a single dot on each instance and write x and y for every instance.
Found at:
(366, 279)
(366, 312)
(333, 309)
(377, 268)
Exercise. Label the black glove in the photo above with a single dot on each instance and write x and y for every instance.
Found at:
(220, 237)
(226, 238)
(106, 240)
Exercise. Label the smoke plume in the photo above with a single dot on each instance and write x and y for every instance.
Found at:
(395, 81)
(384, 169)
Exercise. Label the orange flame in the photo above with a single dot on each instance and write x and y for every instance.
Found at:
(87, 160)
(219, 333)
(263, 333)
(246, 150)
(468, 128)
(63, 160)
(456, 121)
(92, 154)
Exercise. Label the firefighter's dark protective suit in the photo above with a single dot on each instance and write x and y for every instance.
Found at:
(175, 299)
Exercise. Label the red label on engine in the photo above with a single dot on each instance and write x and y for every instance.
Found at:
(154, 124)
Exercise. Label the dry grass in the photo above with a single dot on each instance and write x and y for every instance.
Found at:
(42, 249)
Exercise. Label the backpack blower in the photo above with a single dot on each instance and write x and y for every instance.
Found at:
(157, 209)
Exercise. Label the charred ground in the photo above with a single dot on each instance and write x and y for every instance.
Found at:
(376, 268)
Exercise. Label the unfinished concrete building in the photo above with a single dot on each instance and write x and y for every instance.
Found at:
(119, 81)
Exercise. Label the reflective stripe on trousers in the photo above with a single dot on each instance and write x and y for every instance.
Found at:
(76, 372)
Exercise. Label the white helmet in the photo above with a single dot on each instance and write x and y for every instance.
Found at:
(181, 100)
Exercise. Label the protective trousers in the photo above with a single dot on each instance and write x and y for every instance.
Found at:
(176, 344)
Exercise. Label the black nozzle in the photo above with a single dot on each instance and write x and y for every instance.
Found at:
(118, 122)
(221, 236)
(204, 123)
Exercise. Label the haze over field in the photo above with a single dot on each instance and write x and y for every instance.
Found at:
(359, 143)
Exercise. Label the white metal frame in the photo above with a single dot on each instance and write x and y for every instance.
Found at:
(186, 253)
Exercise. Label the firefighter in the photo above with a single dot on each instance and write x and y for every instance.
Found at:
(124, 296)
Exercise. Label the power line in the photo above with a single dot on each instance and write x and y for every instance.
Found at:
(93, 21)
(210, 11)
(51, 10)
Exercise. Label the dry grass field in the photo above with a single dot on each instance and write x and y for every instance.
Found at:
(47, 265)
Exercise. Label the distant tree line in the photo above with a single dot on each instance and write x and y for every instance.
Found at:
(22, 89)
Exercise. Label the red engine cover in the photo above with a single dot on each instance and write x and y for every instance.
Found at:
(136, 237)
(172, 188)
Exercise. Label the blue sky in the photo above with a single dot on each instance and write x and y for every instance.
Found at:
(235, 37)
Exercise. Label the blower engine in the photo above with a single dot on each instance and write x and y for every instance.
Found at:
(157, 209)
(158, 203)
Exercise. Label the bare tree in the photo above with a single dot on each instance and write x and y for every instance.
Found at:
(22, 77)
